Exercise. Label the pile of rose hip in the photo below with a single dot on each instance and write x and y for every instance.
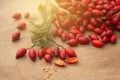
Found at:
(67, 55)
(99, 16)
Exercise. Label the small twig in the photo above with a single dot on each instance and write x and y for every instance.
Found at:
(57, 44)
(31, 46)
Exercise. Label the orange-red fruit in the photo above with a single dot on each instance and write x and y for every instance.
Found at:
(60, 31)
(82, 29)
(71, 60)
(109, 32)
(105, 39)
(103, 34)
(75, 31)
(72, 42)
(90, 27)
(21, 25)
(84, 40)
(113, 39)
(63, 55)
(57, 51)
(21, 52)
(27, 15)
(17, 16)
(62, 13)
(98, 31)
(41, 53)
(59, 63)
(64, 36)
(49, 51)
(57, 24)
(15, 36)
(78, 35)
(47, 58)
(97, 12)
(72, 10)
(65, 4)
(67, 22)
(93, 37)
(32, 54)
(117, 27)
(97, 43)
(70, 52)
(71, 36)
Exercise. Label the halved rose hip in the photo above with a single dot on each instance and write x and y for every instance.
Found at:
(59, 63)
(71, 60)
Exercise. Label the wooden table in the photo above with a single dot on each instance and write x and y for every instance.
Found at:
(94, 63)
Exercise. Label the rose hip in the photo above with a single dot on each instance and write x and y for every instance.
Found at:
(93, 37)
(105, 39)
(57, 51)
(27, 15)
(47, 58)
(59, 63)
(78, 35)
(64, 36)
(98, 31)
(109, 32)
(49, 51)
(63, 55)
(90, 27)
(41, 53)
(84, 40)
(97, 43)
(21, 52)
(70, 52)
(113, 39)
(32, 54)
(15, 36)
(72, 42)
(71, 36)
(21, 25)
(75, 31)
(71, 60)
(118, 27)
(17, 16)
(97, 12)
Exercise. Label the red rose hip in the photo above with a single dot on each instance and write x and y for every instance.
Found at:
(41, 53)
(21, 52)
(32, 54)
(97, 43)
(15, 36)
(47, 58)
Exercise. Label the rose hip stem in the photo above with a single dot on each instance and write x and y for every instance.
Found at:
(57, 44)
(31, 46)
